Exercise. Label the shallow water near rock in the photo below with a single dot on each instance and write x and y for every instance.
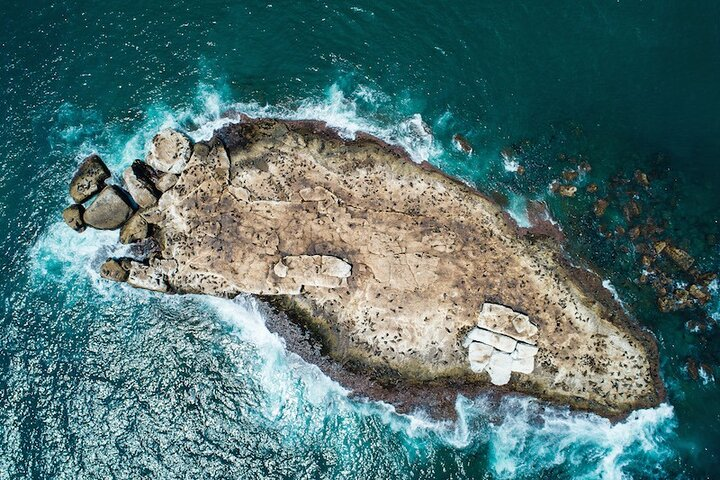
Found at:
(98, 380)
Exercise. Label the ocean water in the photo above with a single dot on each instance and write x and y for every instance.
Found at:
(98, 380)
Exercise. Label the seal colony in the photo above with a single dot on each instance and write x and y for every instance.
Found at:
(415, 286)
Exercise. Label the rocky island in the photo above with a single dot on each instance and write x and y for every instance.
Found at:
(413, 286)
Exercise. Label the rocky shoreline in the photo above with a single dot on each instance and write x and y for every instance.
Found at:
(399, 282)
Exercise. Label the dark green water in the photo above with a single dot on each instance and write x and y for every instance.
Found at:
(99, 381)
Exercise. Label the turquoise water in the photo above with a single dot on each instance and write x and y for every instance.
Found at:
(101, 381)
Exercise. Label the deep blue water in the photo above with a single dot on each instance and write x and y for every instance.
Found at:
(101, 381)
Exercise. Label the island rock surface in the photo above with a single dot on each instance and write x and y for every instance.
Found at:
(410, 280)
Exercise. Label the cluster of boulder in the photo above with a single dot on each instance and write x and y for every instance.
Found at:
(103, 206)
(671, 271)
(504, 341)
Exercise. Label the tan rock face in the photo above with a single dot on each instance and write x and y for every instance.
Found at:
(398, 263)
(169, 152)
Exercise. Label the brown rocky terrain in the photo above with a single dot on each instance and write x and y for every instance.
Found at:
(416, 286)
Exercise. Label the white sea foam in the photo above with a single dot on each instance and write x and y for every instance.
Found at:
(529, 438)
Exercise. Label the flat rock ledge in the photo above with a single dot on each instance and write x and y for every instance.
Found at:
(407, 285)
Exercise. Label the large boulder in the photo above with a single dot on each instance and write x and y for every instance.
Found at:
(169, 152)
(140, 182)
(135, 229)
(114, 270)
(110, 210)
(166, 182)
(89, 179)
(73, 216)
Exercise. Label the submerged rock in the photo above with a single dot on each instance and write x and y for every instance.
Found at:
(73, 216)
(462, 143)
(89, 179)
(110, 210)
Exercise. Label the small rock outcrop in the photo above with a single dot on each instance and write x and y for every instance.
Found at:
(110, 209)
(169, 152)
(89, 179)
(73, 217)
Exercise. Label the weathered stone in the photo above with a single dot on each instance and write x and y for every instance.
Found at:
(313, 270)
(659, 247)
(165, 182)
(523, 364)
(679, 256)
(139, 182)
(89, 179)
(479, 355)
(500, 368)
(462, 143)
(135, 229)
(567, 190)
(585, 167)
(600, 206)
(147, 277)
(169, 152)
(706, 279)
(700, 293)
(73, 216)
(523, 350)
(499, 341)
(591, 188)
(114, 270)
(110, 210)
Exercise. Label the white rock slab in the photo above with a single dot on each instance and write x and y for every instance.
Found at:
(499, 341)
(500, 368)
